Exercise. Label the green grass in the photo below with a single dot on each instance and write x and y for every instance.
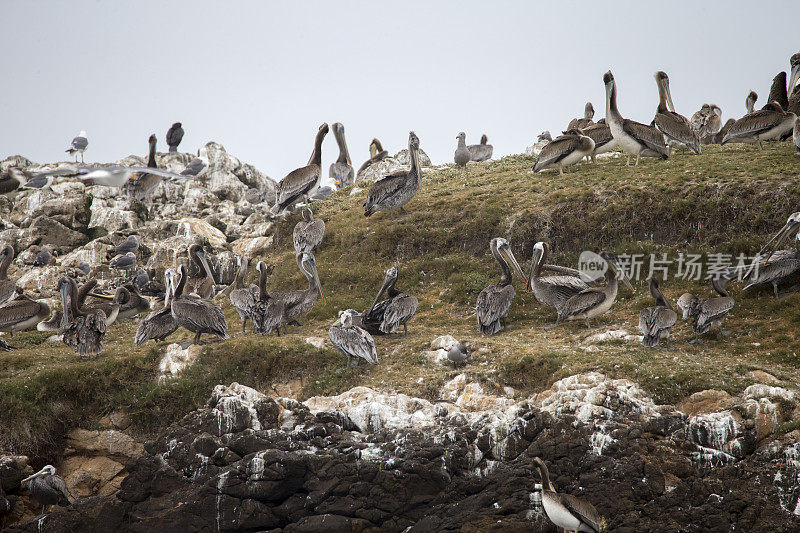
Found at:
(728, 200)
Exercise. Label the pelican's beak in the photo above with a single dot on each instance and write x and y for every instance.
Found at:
(101, 296)
(669, 95)
(795, 75)
(29, 478)
(415, 155)
(317, 282)
(386, 281)
(778, 239)
(537, 256)
(614, 265)
(509, 256)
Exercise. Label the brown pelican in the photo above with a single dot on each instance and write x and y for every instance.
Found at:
(82, 329)
(778, 265)
(594, 301)
(777, 92)
(54, 322)
(109, 306)
(707, 122)
(495, 301)
(750, 101)
(141, 185)
(267, 313)
(43, 258)
(796, 135)
(564, 151)
(78, 145)
(11, 180)
(353, 341)
(552, 291)
(707, 312)
(462, 155)
(48, 488)
(376, 153)
(565, 510)
(302, 181)
(633, 137)
(308, 232)
(676, 128)
(655, 322)
(299, 303)
(395, 190)
(243, 298)
(769, 123)
(131, 302)
(793, 89)
(482, 151)
(603, 140)
(160, 324)
(196, 314)
(395, 311)
(201, 282)
(22, 313)
(174, 137)
(586, 121)
(7, 286)
(724, 131)
(341, 171)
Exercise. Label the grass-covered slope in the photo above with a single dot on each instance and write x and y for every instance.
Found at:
(728, 200)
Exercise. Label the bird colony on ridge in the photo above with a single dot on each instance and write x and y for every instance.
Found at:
(188, 291)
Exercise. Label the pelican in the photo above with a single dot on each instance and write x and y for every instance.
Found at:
(676, 128)
(777, 91)
(462, 154)
(54, 322)
(174, 137)
(142, 185)
(769, 123)
(778, 265)
(793, 89)
(564, 151)
(633, 137)
(7, 287)
(565, 510)
(195, 314)
(495, 301)
(243, 298)
(395, 311)
(707, 122)
(724, 131)
(302, 181)
(43, 258)
(78, 145)
(201, 282)
(395, 190)
(707, 312)
(750, 102)
(48, 488)
(796, 135)
(308, 233)
(300, 302)
(552, 291)
(376, 153)
(586, 121)
(267, 312)
(341, 171)
(11, 180)
(594, 301)
(22, 313)
(109, 308)
(160, 324)
(482, 151)
(82, 329)
(603, 140)
(353, 341)
(131, 302)
(655, 322)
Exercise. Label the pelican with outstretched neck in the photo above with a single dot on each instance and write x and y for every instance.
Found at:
(142, 185)
(777, 266)
(196, 314)
(554, 290)
(634, 138)
(495, 301)
(267, 312)
(341, 170)
(565, 510)
(586, 121)
(160, 324)
(303, 181)
(793, 89)
(655, 322)
(395, 311)
(564, 151)
(707, 312)
(594, 301)
(676, 128)
(299, 303)
(394, 191)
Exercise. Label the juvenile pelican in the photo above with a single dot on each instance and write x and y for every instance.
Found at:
(22, 313)
(78, 145)
(174, 137)
(676, 128)
(267, 312)
(196, 314)
(655, 322)
(353, 341)
(633, 137)
(724, 131)
(376, 153)
(48, 488)
(793, 90)
(341, 171)
(308, 233)
(594, 301)
(395, 190)
(7, 287)
(461, 155)
(586, 121)
(778, 266)
(565, 510)
(495, 301)
(482, 151)
(395, 311)
(160, 324)
(796, 135)
(603, 140)
(201, 282)
(299, 303)
(552, 291)
(750, 102)
(769, 123)
(564, 151)
(301, 182)
(243, 298)
(11, 180)
(707, 312)
(707, 122)
(82, 329)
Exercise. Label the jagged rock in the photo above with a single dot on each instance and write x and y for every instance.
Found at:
(44, 230)
(228, 178)
(176, 359)
(189, 228)
(91, 476)
(42, 280)
(108, 443)
(252, 246)
(115, 215)
(403, 158)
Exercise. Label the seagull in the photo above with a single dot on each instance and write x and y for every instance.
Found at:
(79, 144)
(196, 168)
(174, 137)
(84, 267)
(43, 258)
(124, 262)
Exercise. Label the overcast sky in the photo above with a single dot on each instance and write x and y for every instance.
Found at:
(260, 77)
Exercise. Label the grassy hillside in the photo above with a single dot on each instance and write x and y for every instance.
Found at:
(728, 200)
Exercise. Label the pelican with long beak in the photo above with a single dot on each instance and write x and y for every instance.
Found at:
(552, 291)
(495, 301)
(299, 303)
(655, 322)
(777, 265)
(48, 488)
(394, 191)
(341, 170)
(676, 128)
(396, 310)
(565, 510)
(793, 90)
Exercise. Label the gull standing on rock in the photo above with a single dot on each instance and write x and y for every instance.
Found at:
(43, 258)
(131, 244)
(174, 137)
(78, 145)
(301, 182)
(196, 168)
(353, 341)
(462, 155)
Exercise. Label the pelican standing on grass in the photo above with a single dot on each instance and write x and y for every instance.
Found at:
(554, 290)
(633, 137)
(482, 151)
(777, 266)
(267, 313)
(243, 298)
(48, 488)
(341, 170)
(603, 140)
(160, 324)
(195, 314)
(707, 312)
(308, 233)
(676, 128)
(353, 341)
(82, 329)
(586, 121)
(495, 301)
(769, 123)
(655, 322)
(299, 303)
(395, 311)
(565, 510)
(395, 190)
(564, 151)
(301, 182)
(594, 301)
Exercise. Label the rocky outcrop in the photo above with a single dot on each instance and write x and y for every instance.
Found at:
(373, 461)
(400, 161)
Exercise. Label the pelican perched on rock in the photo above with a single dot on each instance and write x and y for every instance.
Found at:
(769, 123)
(395, 311)
(655, 322)
(707, 312)
(341, 171)
(160, 324)
(462, 155)
(564, 151)
(196, 314)
(308, 233)
(78, 145)
(142, 185)
(7, 287)
(633, 137)
(676, 128)
(267, 312)
(554, 290)
(495, 301)
(301, 182)
(82, 329)
(376, 153)
(243, 297)
(777, 266)
(201, 282)
(22, 313)
(603, 139)
(565, 510)
(299, 303)
(174, 137)
(750, 102)
(353, 341)
(48, 488)
(395, 190)
(586, 121)
(482, 151)
(594, 301)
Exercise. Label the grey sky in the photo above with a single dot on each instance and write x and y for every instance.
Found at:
(259, 77)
